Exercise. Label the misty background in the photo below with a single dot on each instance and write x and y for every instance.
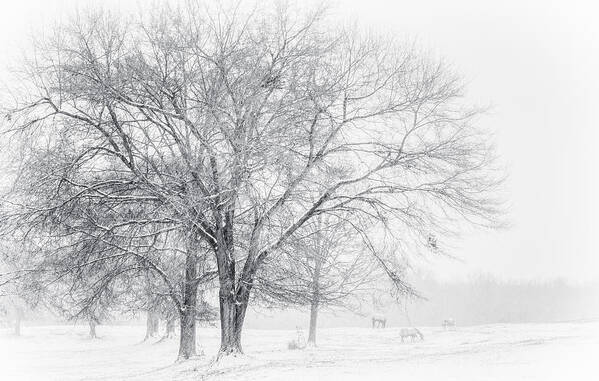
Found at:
(481, 299)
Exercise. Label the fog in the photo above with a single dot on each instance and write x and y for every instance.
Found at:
(481, 299)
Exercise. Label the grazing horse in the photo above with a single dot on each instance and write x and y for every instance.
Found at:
(379, 321)
(412, 333)
(448, 323)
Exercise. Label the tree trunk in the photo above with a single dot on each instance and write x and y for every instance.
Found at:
(231, 307)
(92, 328)
(313, 318)
(18, 325)
(315, 299)
(187, 340)
(231, 322)
(170, 328)
(151, 324)
(18, 319)
(233, 295)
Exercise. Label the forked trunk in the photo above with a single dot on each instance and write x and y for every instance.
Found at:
(233, 294)
(232, 315)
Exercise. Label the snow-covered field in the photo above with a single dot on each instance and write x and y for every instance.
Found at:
(559, 351)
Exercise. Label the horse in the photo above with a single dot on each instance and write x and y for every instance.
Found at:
(448, 323)
(412, 333)
(379, 321)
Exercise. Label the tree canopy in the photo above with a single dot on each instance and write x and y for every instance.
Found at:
(214, 136)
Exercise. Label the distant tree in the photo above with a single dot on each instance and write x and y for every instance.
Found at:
(153, 303)
(93, 320)
(13, 309)
(91, 299)
(160, 307)
(84, 274)
(19, 296)
(323, 265)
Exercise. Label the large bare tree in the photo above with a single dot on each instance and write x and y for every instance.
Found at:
(236, 128)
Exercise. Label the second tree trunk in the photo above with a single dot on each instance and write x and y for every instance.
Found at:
(313, 319)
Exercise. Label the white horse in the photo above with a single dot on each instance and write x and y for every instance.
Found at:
(412, 333)
(448, 324)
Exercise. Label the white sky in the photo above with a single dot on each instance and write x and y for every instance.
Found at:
(537, 63)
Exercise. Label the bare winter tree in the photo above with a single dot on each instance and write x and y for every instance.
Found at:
(89, 269)
(13, 309)
(19, 296)
(152, 306)
(159, 306)
(323, 265)
(235, 129)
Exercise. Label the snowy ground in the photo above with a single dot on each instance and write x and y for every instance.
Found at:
(557, 351)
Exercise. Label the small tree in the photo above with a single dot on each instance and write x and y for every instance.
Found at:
(332, 270)
(14, 310)
(18, 294)
(153, 305)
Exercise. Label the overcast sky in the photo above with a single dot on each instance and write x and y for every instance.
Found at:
(537, 63)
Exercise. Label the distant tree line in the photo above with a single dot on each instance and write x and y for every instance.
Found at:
(486, 300)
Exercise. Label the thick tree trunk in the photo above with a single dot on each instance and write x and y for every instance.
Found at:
(313, 319)
(187, 340)
(234, 294)
(231, 323)
(233, 306)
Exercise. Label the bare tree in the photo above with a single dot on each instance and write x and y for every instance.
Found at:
(152, 306)
(93, 322)
(18, 296)
(13, 309)
(152, 324)
(235, 129)
(323, 265)
(86, 271)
